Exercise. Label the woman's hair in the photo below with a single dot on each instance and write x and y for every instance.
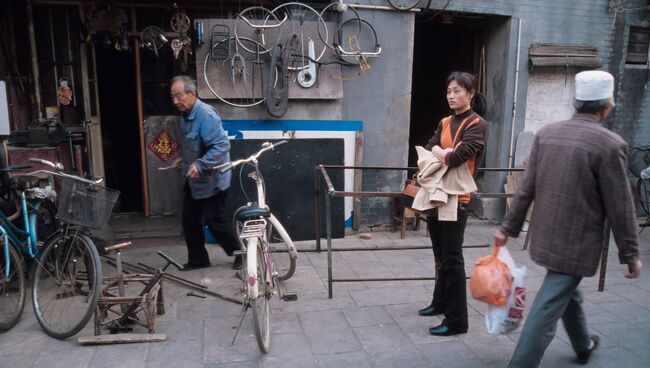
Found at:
(468, 82)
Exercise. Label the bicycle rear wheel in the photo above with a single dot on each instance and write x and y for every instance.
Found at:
(12, 287)
(260, 308)
(67, 280)
(284, 253)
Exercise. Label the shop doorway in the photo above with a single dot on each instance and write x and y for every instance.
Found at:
(478, 44)
(116, 79)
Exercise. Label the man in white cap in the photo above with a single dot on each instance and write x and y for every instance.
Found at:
(577, 176)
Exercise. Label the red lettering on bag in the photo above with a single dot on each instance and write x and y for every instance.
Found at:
(520, 296)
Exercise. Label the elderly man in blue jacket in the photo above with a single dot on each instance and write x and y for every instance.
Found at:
(205, 145)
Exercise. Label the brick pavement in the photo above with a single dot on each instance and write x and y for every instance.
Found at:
(366, 324)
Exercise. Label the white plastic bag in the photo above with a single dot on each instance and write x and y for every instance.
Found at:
(507, 318)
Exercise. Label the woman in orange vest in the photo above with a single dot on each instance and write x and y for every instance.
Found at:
(458, 139)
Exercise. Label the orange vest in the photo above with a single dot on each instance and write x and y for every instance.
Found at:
(446, 141)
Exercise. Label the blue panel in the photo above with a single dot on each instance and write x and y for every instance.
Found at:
(235, 126)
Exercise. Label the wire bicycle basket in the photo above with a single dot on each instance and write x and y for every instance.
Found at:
(85, 204)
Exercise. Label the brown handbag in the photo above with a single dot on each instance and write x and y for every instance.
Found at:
(411, 189)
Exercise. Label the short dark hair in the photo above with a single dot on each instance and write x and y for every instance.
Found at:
(190, 84)
(470, 83)
(591, 107)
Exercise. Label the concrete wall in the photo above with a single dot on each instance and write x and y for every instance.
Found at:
(382, 98)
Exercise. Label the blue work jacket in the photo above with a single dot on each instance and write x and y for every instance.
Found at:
(205, 143)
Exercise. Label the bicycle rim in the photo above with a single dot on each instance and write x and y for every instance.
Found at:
(67, 279)
(403, 5)
(284, 259)
(260, 308)
(12, 288)
(643, 194)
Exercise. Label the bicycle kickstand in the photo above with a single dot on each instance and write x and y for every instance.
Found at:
(244, 307)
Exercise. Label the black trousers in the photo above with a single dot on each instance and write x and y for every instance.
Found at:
(449, 294)
(207, 211)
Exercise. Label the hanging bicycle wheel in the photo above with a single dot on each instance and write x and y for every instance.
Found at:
(355, 50)
(255, 21)
(284, 253)
(343, 10)
(237, 80)
(260, 307)
(301, 26)
(66, 286)
(643, 194)
(12, 286)
(403, 5)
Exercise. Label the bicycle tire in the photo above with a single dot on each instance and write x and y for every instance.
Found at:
(10, 312)
(277, 235)
(643, 194)
(337, 7)
(57, 270)
(404, 5)
(259, 300)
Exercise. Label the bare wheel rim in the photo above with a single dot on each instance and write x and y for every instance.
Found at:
(260, 308)
(222, 66)
(67, 279)
(258, 16)
(301, 18)
(320, 32)
(12, 287)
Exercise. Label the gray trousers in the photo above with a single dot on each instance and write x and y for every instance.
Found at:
(558, 297)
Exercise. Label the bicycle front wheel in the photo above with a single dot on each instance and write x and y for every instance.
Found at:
(260, 307)
(67, 280)
(12, 286)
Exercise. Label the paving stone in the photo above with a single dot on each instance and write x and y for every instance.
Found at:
(246, 364)
(388, 296)
(79, 357)
(361, 317)
(358, 359)
(449, 354)
(180, 353)
(328, 332)
(122, 355)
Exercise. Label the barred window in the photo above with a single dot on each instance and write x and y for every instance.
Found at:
(637, 47)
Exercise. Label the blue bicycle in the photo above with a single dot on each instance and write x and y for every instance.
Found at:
(66, 266)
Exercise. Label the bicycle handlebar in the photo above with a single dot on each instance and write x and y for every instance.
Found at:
(170, 260)
(266, 146)
(59, 171)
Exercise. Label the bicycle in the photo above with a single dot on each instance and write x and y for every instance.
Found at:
(255, 226)
(67, 271)
(639, 165)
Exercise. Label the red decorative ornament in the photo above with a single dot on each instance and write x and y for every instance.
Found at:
(164, 146)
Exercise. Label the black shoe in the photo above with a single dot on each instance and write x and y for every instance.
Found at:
(444, 330)
(189, 267)
(237, 263)
(430, 311)
(583, 357)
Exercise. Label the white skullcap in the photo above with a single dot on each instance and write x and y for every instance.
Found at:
(594, 85)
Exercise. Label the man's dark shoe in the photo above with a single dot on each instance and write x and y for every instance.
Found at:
(189, 267)
(237, 263)
(430, 311)
(583, 357)
(444, 330)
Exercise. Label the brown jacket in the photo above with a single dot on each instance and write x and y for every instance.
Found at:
(577, 176)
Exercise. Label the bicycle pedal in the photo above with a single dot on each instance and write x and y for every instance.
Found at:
(289, 297)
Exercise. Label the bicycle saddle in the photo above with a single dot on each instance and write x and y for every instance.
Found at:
(253, 212)
(23, 182)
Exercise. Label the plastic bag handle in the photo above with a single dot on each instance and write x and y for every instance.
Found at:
(495, 249)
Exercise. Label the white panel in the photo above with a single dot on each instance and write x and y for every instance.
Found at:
(4, 109)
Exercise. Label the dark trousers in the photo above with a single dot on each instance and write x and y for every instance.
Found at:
(558, 298)
(449, 294)
(207, 211)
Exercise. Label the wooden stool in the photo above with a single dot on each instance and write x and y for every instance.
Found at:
(112, 298)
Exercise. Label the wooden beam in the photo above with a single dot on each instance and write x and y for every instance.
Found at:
(143, 154)
(121, 339)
